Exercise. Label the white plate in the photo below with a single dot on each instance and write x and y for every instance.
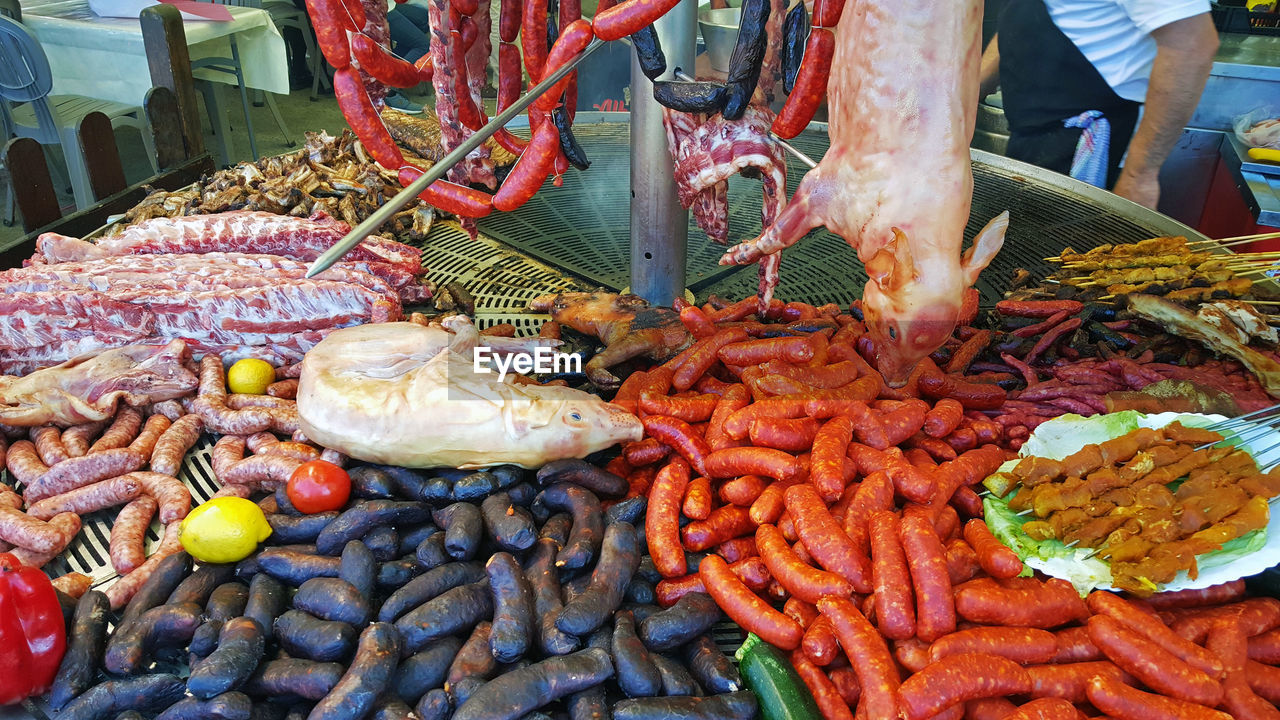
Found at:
(1263, 444)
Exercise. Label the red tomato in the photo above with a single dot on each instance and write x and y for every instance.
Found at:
(318, 486)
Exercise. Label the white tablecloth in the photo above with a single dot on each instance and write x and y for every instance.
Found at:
(104, 57)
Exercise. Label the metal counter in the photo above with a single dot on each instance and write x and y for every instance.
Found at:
(1245, 77)
(1261, 192)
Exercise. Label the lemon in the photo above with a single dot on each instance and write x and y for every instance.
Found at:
(224, 530)
(250, 376)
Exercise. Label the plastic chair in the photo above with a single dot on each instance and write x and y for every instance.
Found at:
(25, 83)
(232, 66)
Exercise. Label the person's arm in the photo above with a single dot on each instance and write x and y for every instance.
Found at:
(989, 69)
(1184, 56)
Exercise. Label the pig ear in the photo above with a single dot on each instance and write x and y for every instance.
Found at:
(892, 265)
(985, 246)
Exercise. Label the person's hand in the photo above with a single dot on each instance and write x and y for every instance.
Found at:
(1140, 187)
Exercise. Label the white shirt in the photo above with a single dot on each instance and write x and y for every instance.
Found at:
(1115, 35)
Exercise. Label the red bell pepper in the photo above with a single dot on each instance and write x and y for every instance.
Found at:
(33, 634)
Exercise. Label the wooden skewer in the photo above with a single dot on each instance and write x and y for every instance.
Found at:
(1262, 302)
(1237, 239)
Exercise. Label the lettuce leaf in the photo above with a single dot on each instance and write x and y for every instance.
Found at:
(1057, 439)
(1063, 435)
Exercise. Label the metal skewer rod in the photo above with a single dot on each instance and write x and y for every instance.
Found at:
(682, 75)
(443, 165)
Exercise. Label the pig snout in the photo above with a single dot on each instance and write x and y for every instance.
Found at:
(903, 337)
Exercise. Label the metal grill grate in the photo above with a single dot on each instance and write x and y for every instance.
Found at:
(501, 281)
(582, 226)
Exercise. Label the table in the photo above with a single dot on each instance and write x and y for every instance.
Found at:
(104, 57)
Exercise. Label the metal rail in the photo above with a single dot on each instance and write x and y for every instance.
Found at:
(443, 165)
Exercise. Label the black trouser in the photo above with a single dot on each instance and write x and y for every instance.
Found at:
(296, 47)
(1045, 79)
(1054, 147)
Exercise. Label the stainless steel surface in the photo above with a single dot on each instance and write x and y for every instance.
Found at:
(719, 30)
(1248, 56)
(1261, 193)
(438, 170)
(1246, 163)
(1245, 77)
(659, 223)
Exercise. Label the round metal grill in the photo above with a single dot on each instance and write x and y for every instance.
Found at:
(582, 227)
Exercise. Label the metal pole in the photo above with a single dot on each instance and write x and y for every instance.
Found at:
(659, 224)
(442, 166)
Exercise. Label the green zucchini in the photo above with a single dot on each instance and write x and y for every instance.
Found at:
(768, 672)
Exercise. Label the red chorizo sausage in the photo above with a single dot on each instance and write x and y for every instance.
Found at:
(754, 352)
(1150, 663)
(746, 608)
(723, 524)
(825, 539)
(531, 169)
(662, 518)
(996, 559)
(810, 86)
(891, 580)
(1153, 629)
(378, 62)
(573, 39)
(935, 609)
(802, 581)
(1070, 681)
(959, 678)
(509, 18)
(743, 490)
(692, 409)
(644, 452)
(331, 22)
(875, 492)
(943, 418)
(460, 200)
(1023, 602)
(1046, 709)
(736, 461)
(734, 398)
(1125, 703)
(1212, 595)
(819, 643)
(826, 468)
(869, 655)
(1025, 646)
(697, 499)
(619, 21)
(681, 437)
(962, 561)
(509, 75)
(704, 354)
(787, 434)
(360, 114)
(830, 703)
